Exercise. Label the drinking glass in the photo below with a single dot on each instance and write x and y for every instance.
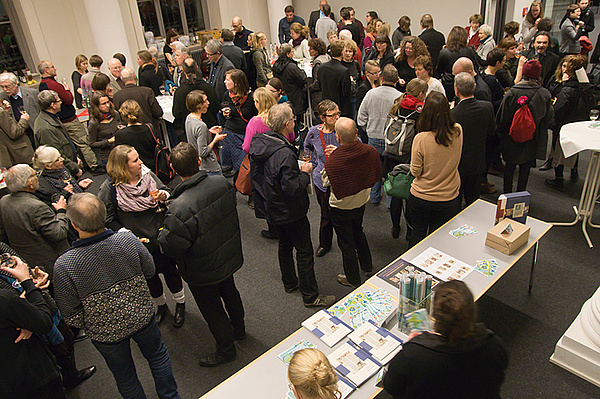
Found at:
(594, 114)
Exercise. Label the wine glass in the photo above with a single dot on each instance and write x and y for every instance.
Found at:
(21, 110)
(594, 114)
(162, 90)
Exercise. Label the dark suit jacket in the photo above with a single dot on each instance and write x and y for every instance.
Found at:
(180, 111)
(151, 110)
(478, 121)
(435, 41)
(549, 63)
(312, 21)
(334, 79)
(235, 55)
(222, 66)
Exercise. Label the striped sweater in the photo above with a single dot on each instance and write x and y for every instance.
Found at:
(100, 285)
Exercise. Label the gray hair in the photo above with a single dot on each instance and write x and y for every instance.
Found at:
(17, 177)
(285, 49)
(153, 50)
(9, 76)
(465, 84)
(278, 116)
(182, 49)
(127, 75)
(42, 66)
(345, 34)
(214, 46)
(45, 155)
(46, 98)
(486, 29)
(87, 212)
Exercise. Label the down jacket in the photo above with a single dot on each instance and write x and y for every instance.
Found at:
(202, 230)
(278, 186)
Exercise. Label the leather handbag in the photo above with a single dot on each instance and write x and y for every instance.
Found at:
(242, 183)
(398, 182)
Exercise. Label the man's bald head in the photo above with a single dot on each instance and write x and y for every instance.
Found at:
(463, 64)
(236, 24)
(128, 76)
(346, 130)
(115, 67)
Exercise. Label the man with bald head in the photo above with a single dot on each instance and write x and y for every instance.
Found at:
(351, 170)
(115, 67)
(144, 96)
(482, 90)
(241, 34)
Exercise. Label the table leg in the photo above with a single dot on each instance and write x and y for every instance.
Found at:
(533, 262)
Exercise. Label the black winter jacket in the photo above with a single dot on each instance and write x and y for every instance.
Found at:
(294, 82)
(429, 367)
(202, 230)
(278, 186)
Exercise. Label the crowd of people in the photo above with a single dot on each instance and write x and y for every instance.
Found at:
(89, 265)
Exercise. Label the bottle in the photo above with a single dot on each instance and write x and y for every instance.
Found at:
(29, 75)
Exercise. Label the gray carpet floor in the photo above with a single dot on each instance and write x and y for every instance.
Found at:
(567, 274)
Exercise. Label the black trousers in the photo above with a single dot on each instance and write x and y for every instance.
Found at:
(225, 322)
(296, 235)
(470, 187)
(167, 267)
(428, 216)
(352, 241)
(325, 226)
(509, 172)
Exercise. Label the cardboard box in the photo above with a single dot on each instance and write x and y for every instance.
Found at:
(499, 238)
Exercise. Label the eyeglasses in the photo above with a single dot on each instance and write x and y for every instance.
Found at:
(333, 115)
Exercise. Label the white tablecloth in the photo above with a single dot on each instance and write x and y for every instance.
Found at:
(166, 103)
(579, 136)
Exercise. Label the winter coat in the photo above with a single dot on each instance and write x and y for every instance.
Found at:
(294, 81)
(202, 230)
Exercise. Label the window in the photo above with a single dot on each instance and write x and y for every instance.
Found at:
(11, 58)
(158, 16)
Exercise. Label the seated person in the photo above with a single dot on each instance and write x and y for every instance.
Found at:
(311, 375)
(54, 179)
(458, 359)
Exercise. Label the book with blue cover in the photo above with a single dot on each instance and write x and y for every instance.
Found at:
(514, 206)
(353, 363)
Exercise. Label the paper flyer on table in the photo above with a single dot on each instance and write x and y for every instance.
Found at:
(328, 328)
(353, 363)
(286, 355)
(441, 265)
(377, 341)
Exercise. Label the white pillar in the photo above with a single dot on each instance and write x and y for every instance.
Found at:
(275, 9)
(108, 29)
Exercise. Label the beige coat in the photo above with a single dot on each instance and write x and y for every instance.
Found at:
(15, 146)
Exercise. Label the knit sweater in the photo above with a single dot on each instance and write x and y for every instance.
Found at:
(374, 110)
(435, 167)
(100, 285)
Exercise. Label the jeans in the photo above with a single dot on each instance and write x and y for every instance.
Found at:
(428, 216)
(119, 361)
(376, 193)
(297, 235)
(352, 241)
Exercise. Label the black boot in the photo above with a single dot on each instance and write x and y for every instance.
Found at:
(179, 316)
(547, 165)
(161, 312)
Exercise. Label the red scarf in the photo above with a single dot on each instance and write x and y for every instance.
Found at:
(352, 168)
(237, 100)
(412, 103)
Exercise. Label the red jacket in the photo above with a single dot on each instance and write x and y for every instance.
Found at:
(474, 41)
(67, 110)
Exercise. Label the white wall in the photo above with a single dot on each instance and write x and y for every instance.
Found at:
(254, 14)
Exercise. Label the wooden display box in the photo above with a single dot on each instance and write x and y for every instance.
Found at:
(504, 242)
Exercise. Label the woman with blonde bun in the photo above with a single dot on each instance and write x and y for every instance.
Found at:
(311, 375)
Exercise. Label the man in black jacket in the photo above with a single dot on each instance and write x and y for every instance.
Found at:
(314, 17)
(482, 90)
(202, 231)
(548, 59)
(334, 79)
(432, 38)
(231, 51)
(478, 121)
(279, 188)
(144, 96)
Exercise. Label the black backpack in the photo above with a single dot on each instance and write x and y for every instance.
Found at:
(162, 156)
(399, 134)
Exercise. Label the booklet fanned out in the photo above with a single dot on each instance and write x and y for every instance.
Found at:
(377, 341)
(328, 328)
(353, 363)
